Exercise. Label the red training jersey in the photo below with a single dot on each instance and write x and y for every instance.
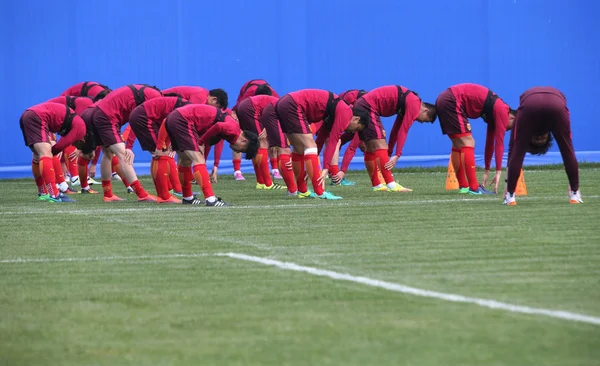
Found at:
(93, 89)
(194, 94)
(203, 116)
(157, 109)
(384, 102)
(229, 130)
(120, 102)
(249, 90)
(80, 103)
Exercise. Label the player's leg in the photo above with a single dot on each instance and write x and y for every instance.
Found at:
(37, 176)
(334, 167)
(456, 158)
(128, 173)
(236, 160)
(105, 174)
(561, 130)
(46, 166)
(274, 159)
(202, 178)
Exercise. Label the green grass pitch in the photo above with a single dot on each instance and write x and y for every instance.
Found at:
(133, 283)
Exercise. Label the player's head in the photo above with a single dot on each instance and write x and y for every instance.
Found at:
(102, 95)
(88, 144)
(263, 90)
(218, 98)
(360, 120)
(246, 142)
(511, 119)
(428, 113)
(540, 144)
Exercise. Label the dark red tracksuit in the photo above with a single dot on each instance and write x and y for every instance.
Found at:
(78, 104)
(194, 94)
(297, 110)
(249, 112)
(542, 109)
(460, 102)
(145, 120)
(187, 124)
(112, 112)
(39, 121)
(85, 89)
(249, 90)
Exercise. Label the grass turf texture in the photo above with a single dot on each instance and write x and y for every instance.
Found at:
(220, 311)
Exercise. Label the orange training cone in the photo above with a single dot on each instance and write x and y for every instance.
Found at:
(521, 186)
(451, 181)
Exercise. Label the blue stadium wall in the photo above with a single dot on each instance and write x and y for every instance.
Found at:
(427, 45)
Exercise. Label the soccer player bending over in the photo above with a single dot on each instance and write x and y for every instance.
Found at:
(295, 112)
(185, 127)
(37, 124)
(455, 106)
(542, 115)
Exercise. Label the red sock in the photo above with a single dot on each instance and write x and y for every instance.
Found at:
(237, 164)
(186, 176)
(58, 172)
(203, 180)
(71, 163)
(371, 168)
(313, 169)
(468, 164)
(334, 169)
(139, 189)
(82, 168)
(298, 166)
(274, 163)
(264, 166)
(287, 173)
(381, 158)
(161, 166)
(117, 168)
(107, 188)
(174, 175)
(257, 170)
(47, 171)
(39, 181)
(458, 168)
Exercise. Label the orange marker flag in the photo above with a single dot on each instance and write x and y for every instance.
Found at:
(521, 186)
(451, 181)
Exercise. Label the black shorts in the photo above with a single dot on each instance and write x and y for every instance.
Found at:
(374, 129)
(291, 118)
(146, 130)
(452, 115)
(182, 133)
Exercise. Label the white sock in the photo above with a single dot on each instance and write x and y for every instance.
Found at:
(392, 185)
(188, 198)
(211, 199)
(86, 188)
(63, 186)
(378, 186)
(237, 172)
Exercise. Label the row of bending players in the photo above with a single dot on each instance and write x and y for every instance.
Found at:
(189, 120)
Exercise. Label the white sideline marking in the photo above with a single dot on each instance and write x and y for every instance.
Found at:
(492, 304)
(103, 259)
(156, 208)
(396, 287)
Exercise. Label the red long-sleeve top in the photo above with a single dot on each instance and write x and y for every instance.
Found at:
(249, 90)
(80, 103)
(120, 102)
(194, 94)
(93, 89)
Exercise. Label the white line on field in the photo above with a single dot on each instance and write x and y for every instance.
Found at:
(396, 287)
(103, 259)
(156, 208)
